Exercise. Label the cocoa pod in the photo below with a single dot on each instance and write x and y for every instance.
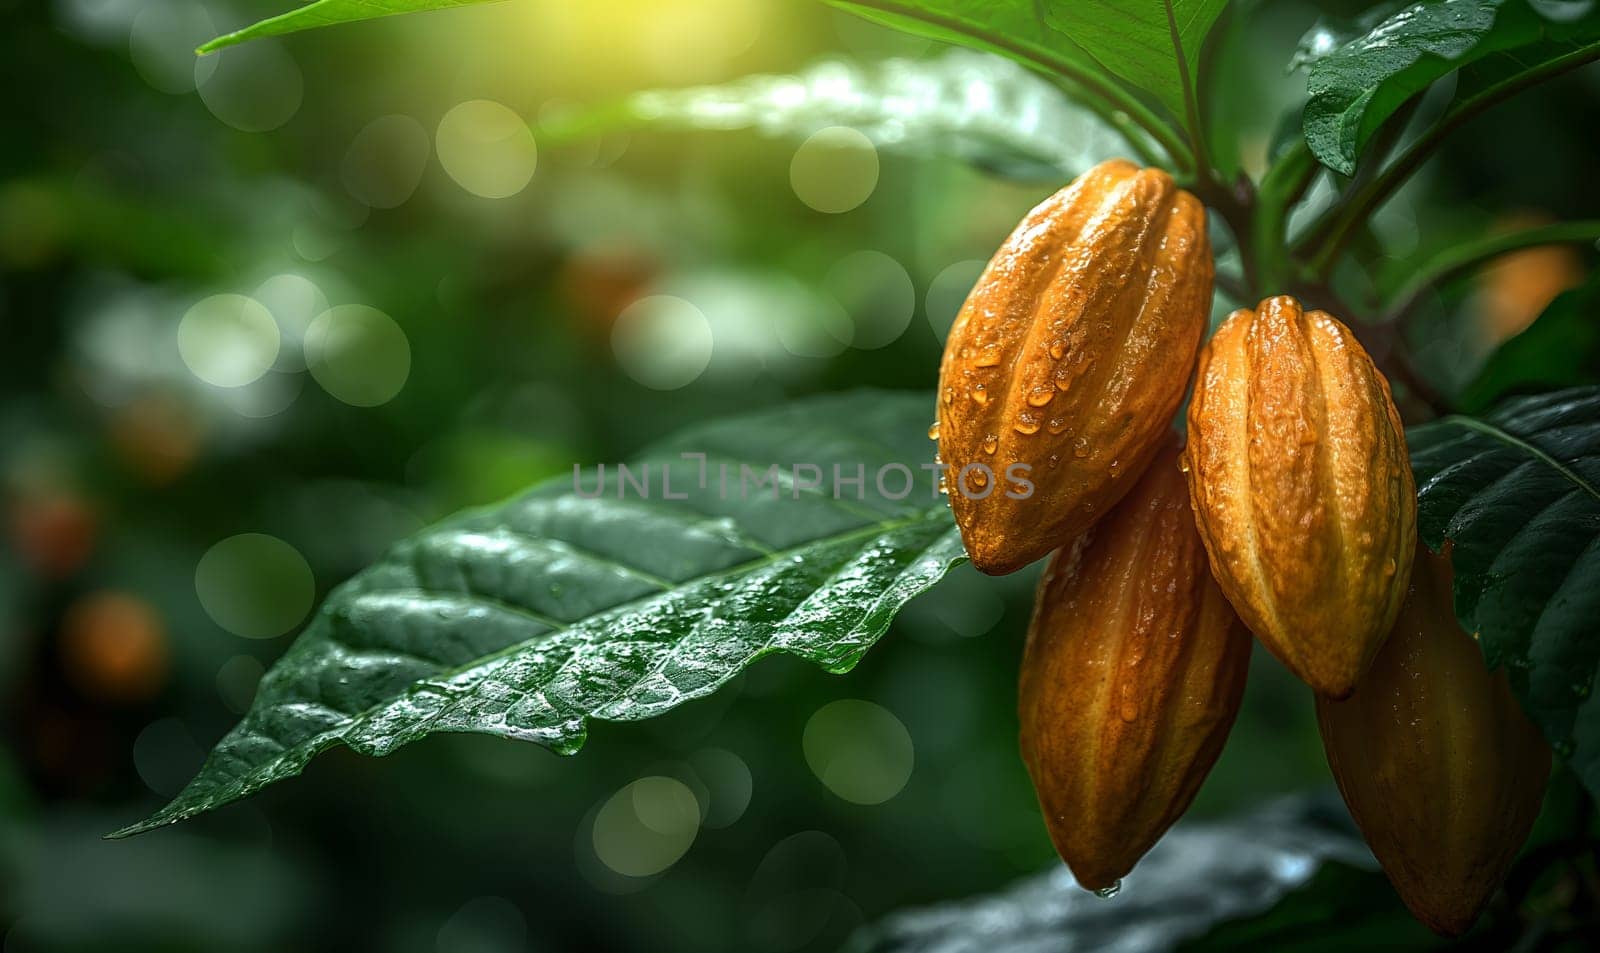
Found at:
(1302, 488)
(1132, 676)
(1441, 769)
(1069, 358)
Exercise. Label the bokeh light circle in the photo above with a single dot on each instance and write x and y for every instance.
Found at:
(385, 161)
(948, 291)
(728, 782)
(487, 149)
(166, 756)
(228, 340)
(256, 87)
(860, 751)
(662, 341)
(358, 354)
(237, 680)
(294, 301)
(835, 169)
(877, 293)
(647, 826)
(161, 43)
(254, 585)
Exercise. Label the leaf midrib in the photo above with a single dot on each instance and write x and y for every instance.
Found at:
(1512, 440)
(359, 718)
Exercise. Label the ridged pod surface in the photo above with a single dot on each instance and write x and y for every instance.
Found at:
(1132, 676)
(1070, 356)
(1442, 770)
(1302, 488)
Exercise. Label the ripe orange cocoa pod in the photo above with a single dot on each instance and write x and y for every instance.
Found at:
(1132, 676)
(1442, 771)
(1066, 363)
(1302, 488)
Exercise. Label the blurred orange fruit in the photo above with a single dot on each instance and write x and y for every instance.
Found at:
(1517, 287)
(157, 436)
(114, 647)
(54, 531)
(602, 280)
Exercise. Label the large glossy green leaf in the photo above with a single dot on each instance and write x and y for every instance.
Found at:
(1198, 876)
(329, 13)
(1498, 46)
(981, 108)
(1140, 40)
(1518, 495)
(527, 619)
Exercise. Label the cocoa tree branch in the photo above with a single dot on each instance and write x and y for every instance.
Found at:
(1460, 259)
(1367, 199)
(1282, 187)
(1236, 205)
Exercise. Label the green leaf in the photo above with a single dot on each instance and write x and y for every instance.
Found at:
(980, 108)
(329, 13)
(1560, 349)
(1135, 40)
(527, 619)
(1019, 30)
(1199, 875)
(1518, 495)
(1497, 45)
(1012, 28)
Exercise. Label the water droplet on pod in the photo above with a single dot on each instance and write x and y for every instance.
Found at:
(1027, 423)
(979, 394)
(1106, 893)
(1080, 447)
(1041, 395)
(990, 442)
(933, 430)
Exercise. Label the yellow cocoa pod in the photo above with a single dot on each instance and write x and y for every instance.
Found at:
(1067, 361)
(1132, 677)
(1302, 488)
(1442, 771)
